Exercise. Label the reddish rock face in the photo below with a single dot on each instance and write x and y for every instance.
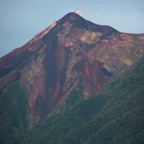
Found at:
(71, 53)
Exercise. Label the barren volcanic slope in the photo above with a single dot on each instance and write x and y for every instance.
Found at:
(72, 53)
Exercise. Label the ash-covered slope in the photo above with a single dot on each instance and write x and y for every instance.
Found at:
(72, 53)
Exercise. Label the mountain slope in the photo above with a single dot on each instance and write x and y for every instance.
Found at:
(114, 115)
(71, 54)
(13, 114)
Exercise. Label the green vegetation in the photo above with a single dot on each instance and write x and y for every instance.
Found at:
(13, 114)
(113, 116)
(73, 99)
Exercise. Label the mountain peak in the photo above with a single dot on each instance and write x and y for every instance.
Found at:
(78, 21)
(73, 15)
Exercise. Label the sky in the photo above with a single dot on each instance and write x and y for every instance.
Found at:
(21, 20)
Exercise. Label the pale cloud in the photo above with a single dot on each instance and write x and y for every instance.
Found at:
(79, 12)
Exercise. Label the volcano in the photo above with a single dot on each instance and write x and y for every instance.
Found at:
(71, 54)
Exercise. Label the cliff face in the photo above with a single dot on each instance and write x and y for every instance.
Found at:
(71, 53)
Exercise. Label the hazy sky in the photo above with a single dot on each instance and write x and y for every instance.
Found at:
(20, 20)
